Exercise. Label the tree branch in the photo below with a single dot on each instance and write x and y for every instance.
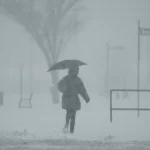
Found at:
(62, 44)
(41, 45)
(69, 6)
(59, 48)
(49, 21)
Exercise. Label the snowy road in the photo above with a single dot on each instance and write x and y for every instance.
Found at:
(45, 120)
(64, 145)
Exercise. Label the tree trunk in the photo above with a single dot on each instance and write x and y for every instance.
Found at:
(54, 91)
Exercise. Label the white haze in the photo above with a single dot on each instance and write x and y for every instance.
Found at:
(114, 22)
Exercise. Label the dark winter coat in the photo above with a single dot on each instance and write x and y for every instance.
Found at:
(71, 88)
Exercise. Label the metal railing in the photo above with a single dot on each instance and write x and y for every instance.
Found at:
(126, 109)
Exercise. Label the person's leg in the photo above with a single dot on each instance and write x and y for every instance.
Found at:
(68, 116)
(72, 122)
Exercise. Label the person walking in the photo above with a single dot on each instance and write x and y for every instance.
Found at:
(71, 86)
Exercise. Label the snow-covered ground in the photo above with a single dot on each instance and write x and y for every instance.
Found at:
(46, 120)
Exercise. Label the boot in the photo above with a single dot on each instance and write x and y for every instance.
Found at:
(72, 125)
(65, 129)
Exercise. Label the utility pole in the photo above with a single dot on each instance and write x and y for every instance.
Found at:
(138, 67)
(21, 83)
(31, 65)
(110, 48)
(107, 70)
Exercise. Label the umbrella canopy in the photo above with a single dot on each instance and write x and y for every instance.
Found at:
(65, 64)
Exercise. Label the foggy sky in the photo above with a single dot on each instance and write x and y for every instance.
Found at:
(109, 21)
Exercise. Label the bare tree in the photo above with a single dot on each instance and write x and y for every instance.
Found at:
(52, 23)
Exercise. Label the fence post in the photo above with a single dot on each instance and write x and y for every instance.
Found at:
(111, 106)
(1, 98)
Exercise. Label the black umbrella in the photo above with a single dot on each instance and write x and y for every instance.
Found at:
(65, 64)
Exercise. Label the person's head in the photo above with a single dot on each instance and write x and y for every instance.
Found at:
(73, 71)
